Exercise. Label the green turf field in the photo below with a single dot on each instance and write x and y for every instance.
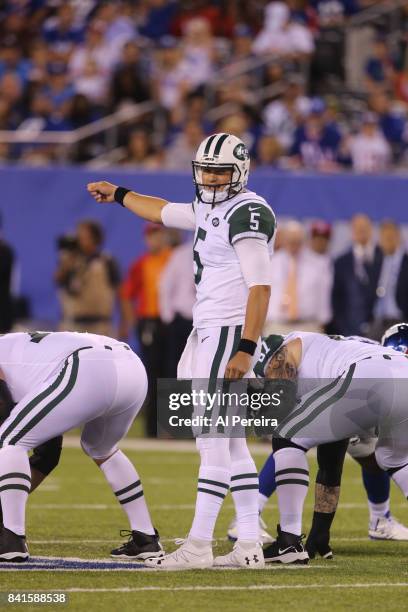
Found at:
(74, 514)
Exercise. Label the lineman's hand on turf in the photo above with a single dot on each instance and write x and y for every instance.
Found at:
(238, 366)
(102, 191)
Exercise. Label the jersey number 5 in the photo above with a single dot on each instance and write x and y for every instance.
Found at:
(201, 234)
(254, 220)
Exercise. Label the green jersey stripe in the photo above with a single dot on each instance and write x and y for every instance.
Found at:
(219, 144)
(47, 409)
(34, 402)
(248, 201)
(331, 400)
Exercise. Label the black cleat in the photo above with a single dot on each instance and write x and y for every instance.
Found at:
(139, 546)
(319, 544)
(288, 548)
(13, 548)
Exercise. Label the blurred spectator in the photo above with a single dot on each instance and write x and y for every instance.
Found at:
(379, 68)
(61, 32)
(140, 307)
(283, 34)
(268, 152)
(328, 61)
(94, 54)
(88, 279)
(282, 116)
(320, 236)
(301, 282)
(140, 151)
(58, 88)
(392, 291)
(6, 269)
(129, 82)
(316, 141)
(370, 152)
(198, 51)
(12, 60)
(170, 74)
(355, 283)
(184, 146)
(155, 18)
(177, 296)
(390, 120)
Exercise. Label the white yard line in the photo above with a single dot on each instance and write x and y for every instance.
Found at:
(254, 587)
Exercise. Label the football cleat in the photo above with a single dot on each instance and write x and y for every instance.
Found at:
(13, 548)
(287, 548)
(264, 536)
(188, 556)
(139, 546)
(319, 544)
(240, 556)
(388, 528)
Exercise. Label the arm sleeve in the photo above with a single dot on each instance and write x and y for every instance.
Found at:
(253, 255)
(180, 216)
(252, 220)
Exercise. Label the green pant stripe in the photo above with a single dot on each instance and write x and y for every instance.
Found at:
(238, 476)
(215, 366)
(226, 383)
(34, 402)
(47, 409)
(16, 475)
(244, 488)
(305, 405)
(15, 487)
(328, 402)
(201, 490)
(214, 482)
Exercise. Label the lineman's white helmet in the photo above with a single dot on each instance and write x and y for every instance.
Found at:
(220, 154)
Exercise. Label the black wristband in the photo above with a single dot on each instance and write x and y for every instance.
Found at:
(119, 195)
(247, 346)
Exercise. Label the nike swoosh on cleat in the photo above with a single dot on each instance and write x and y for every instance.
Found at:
(204, 339)
(251, 208)
(282, 552)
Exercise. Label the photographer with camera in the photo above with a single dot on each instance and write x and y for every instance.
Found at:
(88, 280)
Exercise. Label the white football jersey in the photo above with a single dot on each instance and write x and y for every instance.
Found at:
(27, 359)
(326, 357)
(221, 289)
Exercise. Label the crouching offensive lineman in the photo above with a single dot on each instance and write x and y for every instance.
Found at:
(362, 390)
(60, 381)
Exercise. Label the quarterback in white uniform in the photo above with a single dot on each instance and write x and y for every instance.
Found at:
(234, 234)
(59, 381)
(348, 387)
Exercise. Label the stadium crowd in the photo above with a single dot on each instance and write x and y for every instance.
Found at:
(315, 93)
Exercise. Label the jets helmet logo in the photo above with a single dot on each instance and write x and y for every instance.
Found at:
(241, 152)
